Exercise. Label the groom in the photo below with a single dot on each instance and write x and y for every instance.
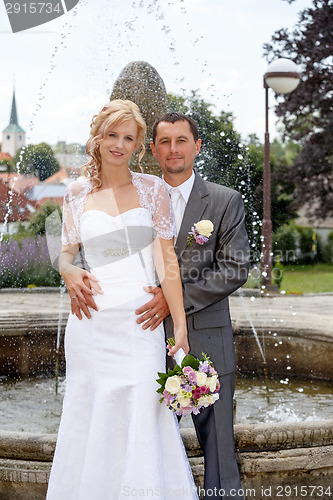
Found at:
(210, 273)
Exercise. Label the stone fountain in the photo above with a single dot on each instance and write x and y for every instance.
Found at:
(272, 457)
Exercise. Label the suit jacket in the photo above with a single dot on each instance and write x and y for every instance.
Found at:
(212, 271)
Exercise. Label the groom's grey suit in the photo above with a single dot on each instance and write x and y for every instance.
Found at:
(210, 273)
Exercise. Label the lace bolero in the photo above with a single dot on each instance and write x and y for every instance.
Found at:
(153, 195)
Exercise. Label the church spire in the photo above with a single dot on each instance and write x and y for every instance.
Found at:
(13, 114)
(13, 136)
(13, 123)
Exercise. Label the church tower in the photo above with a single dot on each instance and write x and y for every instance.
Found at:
(13, 136)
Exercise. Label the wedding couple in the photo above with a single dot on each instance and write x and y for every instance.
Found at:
(115, 439)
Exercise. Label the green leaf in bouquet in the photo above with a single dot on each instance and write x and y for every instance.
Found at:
(191, 361)
(164, 376)
(160, 391)
(205, 357)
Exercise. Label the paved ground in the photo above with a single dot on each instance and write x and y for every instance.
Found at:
(306, 313)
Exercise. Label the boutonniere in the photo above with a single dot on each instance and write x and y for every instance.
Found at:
(200, 232)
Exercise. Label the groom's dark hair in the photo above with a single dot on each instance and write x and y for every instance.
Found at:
(173, 117)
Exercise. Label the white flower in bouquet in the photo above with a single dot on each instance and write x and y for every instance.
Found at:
(212, 383)
(173, 384)
(201, 379)
(183, 401)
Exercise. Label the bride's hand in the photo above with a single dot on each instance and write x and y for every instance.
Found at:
(73, 277)
(181, 341)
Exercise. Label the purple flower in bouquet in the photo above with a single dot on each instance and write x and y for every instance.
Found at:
(204, 367)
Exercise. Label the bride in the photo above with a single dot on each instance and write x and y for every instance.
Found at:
(115, 439)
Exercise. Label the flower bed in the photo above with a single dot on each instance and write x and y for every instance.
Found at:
(26, 263)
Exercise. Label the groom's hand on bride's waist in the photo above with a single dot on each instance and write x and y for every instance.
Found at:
(152, 313)
(78, 306)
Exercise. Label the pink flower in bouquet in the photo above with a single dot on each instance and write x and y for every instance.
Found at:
(196, 393)
(167, 397)
(204, 389)
(212, 371)
(187, 370)
(192, 376)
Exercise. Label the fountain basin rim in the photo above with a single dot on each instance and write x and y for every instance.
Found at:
(37, 289)
(251, 437)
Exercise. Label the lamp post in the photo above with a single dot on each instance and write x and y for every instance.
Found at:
(283, 76)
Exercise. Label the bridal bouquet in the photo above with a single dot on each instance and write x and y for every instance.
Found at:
(193, 384)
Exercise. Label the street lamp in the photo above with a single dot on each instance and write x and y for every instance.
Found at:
(283, 76)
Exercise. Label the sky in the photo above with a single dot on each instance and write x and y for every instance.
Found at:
(64, 70)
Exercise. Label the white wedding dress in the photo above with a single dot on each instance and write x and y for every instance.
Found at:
(116, 440)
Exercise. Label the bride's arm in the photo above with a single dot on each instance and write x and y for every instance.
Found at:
(73, 276)
(168, 273)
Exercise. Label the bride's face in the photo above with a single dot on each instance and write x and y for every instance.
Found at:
(119, 143)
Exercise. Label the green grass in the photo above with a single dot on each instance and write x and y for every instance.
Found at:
(316, 278)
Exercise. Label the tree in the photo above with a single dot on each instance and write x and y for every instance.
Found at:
(24, 160)
(38, 219)
(307, 112)
(282, 158)
(37, 160)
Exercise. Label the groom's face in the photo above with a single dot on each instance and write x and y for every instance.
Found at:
(175, 150)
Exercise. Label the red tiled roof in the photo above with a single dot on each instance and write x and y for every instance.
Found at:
(62, 176)
(58, 177)
(18, 208)
(5, 156)
(20, 183)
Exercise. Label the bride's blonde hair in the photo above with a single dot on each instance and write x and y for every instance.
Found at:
(114, 113)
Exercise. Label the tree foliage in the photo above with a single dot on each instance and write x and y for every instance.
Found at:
(307, 112)
(37, 160)
(37, 220)
(282, 157)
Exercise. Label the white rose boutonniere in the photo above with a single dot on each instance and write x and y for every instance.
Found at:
(200, 232)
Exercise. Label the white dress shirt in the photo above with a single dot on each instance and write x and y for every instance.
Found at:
(180, 200)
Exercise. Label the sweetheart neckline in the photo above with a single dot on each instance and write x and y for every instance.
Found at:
(113, 216)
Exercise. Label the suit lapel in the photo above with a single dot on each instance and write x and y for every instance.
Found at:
(195, 207)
